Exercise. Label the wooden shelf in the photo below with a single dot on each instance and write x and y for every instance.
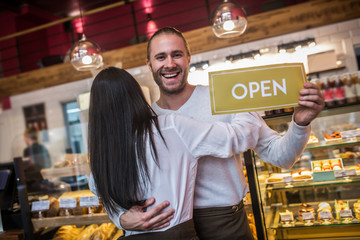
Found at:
(327, 111)
(49, 173)
(97, 218)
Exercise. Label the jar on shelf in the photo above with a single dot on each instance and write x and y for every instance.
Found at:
(339, 91)
(350, 88)
(355, 79)
(278, 111)
(269, 112)
(316, 81)
(288, 109)
(327, 91)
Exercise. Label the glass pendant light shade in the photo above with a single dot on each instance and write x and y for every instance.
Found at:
(86, 55)
(228, 20)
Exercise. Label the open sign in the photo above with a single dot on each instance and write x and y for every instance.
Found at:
(257, 88)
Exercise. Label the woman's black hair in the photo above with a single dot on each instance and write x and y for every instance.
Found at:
(120, 121)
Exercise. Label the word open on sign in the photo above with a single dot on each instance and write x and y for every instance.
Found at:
(263, 87)
(256, 88)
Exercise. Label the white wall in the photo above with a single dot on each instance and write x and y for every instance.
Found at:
(341, 37)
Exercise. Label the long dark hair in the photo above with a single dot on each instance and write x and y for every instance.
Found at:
(120, 121)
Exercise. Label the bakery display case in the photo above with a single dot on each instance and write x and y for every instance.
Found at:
(56, 200)
(319, 197)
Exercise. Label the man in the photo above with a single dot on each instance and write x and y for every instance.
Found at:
(37, 152)
(220, 185)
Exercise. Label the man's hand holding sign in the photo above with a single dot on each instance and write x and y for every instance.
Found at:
(311, 102)
(265, 88)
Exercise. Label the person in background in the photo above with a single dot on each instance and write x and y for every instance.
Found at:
(36, 152)
(134, 154)
(220, 185)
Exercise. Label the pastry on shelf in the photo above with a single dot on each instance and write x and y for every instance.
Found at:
(335, 164)
(357, 209)
(87, 232)
(54, 207)
(67, 232)
(71, 160)
(104, 231)
(333, 136)
(348, 154)
(313, 138)
(307, 214)
(120, 233)
(317, 166)
(341, 206)
(325, 207)
(251, 221)
(301, 174)
(287, 218)
(277, 177)
(325, 165)
(355, 167)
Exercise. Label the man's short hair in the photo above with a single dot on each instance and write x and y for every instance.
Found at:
(32, 133)
(167, 30)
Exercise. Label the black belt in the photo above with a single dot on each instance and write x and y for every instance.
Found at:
(234, 208)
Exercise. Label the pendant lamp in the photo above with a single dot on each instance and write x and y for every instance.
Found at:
(86, 55)
(228, 20)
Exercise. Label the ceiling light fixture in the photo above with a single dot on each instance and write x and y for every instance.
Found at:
(297, 45)
(228, 20)
(85, 55)
(252, 54)
(199, 66)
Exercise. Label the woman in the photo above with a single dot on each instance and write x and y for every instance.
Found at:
(135, 155)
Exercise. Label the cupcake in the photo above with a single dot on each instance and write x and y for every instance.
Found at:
(357, 209)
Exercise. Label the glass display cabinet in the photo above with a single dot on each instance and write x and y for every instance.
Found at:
(319, 197)
(55, 200)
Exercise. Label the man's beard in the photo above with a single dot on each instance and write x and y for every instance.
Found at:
(157, 78)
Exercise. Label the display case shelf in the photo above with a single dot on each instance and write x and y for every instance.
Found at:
(327, 111)
(335, 143)
(49, 173)
(276, 223)
(299, 224)
(70, 220)
(311, 183)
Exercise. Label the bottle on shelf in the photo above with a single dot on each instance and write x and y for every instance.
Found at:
(339, 91)
(289, 109)
(278, 111)
(327, 91)
(269, 112)
(355, 79)
(316, 81)
(350, 87)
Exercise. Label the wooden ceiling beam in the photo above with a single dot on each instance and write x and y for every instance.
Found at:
(269, 24)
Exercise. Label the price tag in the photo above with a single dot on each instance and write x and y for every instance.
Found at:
(90, 201)
(68, 203)
(288, 179)
(286, 217)
(346, 213)
(325, 215)
(339, 173)
(350, 172)
(308, 215)
(39, 206)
